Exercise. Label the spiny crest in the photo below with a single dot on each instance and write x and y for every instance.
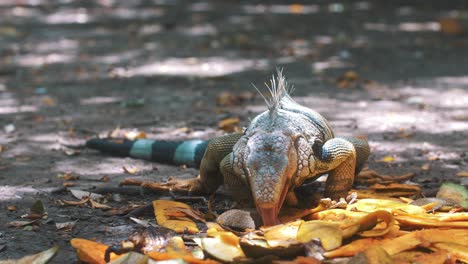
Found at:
(278, 88)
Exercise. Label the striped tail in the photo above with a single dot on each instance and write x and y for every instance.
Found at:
(188, 152)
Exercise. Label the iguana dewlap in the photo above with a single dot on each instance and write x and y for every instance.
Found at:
(280, 149)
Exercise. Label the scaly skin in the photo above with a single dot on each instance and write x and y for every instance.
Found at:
(281, 148)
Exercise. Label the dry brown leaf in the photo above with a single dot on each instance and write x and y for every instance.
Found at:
(39, 258)
(296, 9)
(48, 101)
(12, 208)
(79, 194)
(20, 223)
(227, 99)
(130, 170)
(66, 226)
(426, 167)
(74, 203)
(68, 176)
(97, 205)
(396, 189)
(134, 135)
(195, 215)
(450, 26)
(68, 184)
(230, 124)
(163, 210)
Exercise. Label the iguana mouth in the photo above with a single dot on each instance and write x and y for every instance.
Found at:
(269, 212)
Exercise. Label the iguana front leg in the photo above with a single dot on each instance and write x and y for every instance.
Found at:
(210, 177)
(342, 158)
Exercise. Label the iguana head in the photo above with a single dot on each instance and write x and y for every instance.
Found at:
(268, 162)
(266, 156)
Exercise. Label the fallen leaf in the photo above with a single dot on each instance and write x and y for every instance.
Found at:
(227, 99)
(48, 101)
(69, 184)
(66, 226)
(134, 135)
(68, 176)
(39, 258)
(230, 124)
(387, 159)
(296, 8)
(38, 207)
(130, 170)
(74, 203)
(396, 189)
(195, 215)
(163, 208)
(462, 174)
(426, 167)
(79, 194)
(12, 208)
(453, 192)
(97, 205)
(20, 223)
(450, 25)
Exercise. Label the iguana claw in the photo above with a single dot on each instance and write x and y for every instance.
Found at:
(192, 186)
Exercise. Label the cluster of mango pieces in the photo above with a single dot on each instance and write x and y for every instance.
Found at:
(369, 230)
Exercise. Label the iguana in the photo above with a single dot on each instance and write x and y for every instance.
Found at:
(280, 149)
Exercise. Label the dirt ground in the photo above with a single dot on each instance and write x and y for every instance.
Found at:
(71, 69)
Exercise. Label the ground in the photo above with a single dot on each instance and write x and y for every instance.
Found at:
(71, 69)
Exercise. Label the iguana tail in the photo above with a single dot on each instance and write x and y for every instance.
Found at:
(188, 152)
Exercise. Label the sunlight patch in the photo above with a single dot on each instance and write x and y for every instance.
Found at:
(415, 27)
(68, 16)
(202, 67)
(100, 100)
(17, 109)
(40, 60)
(17, 192)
